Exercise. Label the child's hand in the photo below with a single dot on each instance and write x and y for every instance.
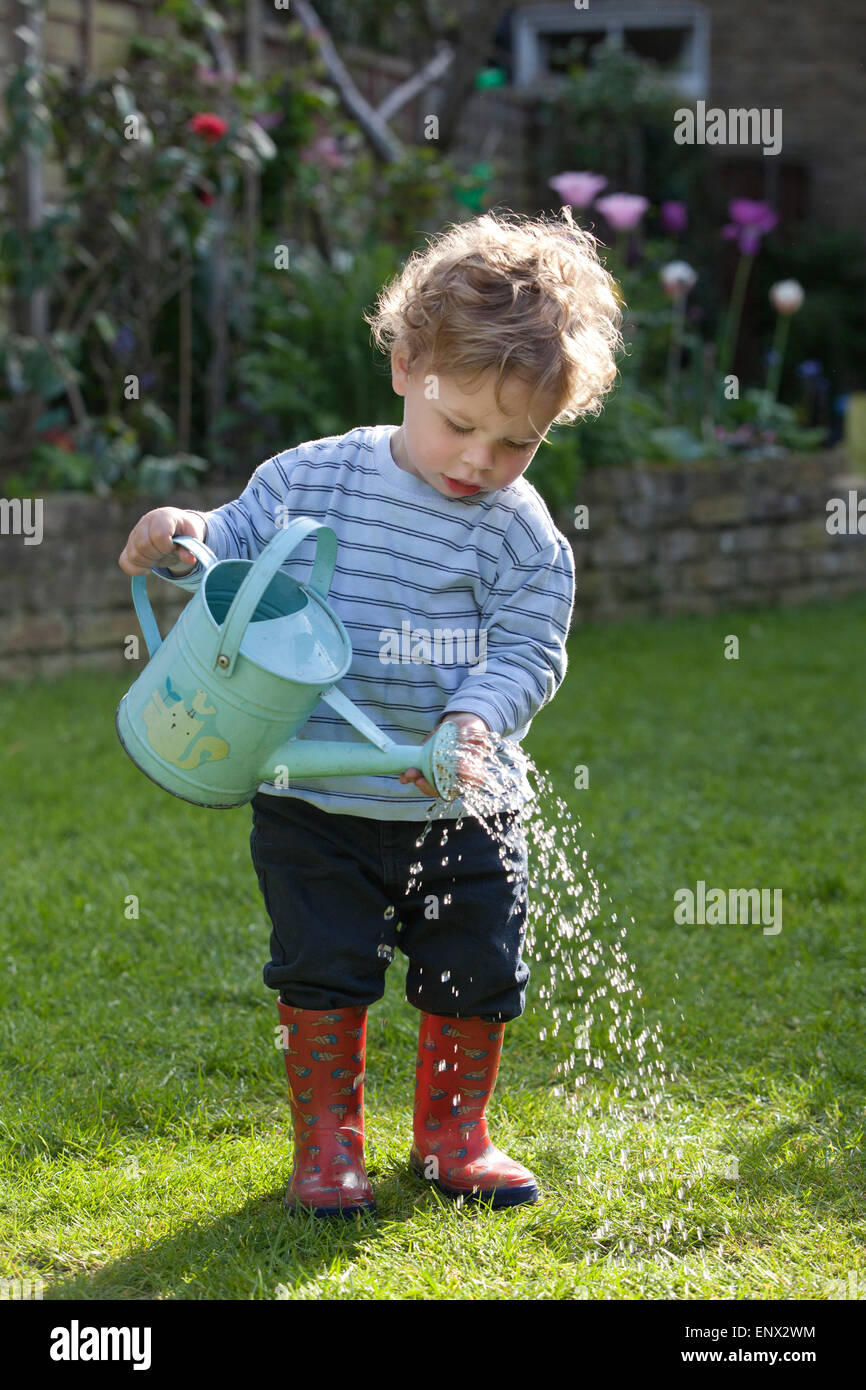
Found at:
(149, 542)
(468, 724)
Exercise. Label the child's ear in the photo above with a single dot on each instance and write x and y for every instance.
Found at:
(399, 369)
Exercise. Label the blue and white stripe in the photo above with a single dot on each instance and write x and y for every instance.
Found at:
(493, 564)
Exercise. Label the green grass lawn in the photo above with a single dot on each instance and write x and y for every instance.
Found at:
(145, 1120)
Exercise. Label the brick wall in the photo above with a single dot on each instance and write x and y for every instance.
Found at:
(659, 542)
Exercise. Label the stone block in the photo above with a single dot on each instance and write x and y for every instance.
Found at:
(76, 589)
(838, 559)
(13, 593)
(639, 582)
(676, 545)
(18, 668)
(50, 667)
(578, 545)
(639, 514)
(721, 510)
(593, 584)
(803, 535)
(745, 597)
(685, 601)
(709, 574)
(606, 484)
(795, 594)
(109, 628)
(32, 633)
(772, 504)
(619, 547)
(600, 516)
(773, 568)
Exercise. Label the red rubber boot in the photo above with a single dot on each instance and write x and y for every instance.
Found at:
(458, 1061)
(325, 1068)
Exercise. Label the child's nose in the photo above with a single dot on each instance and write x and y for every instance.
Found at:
(479, 457)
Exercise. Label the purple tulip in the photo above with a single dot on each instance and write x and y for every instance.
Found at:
(577, 189)
(748, 212)
(750, 220)
(623, 210)
(674, 217)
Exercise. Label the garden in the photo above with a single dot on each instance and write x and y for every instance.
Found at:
(190, 302)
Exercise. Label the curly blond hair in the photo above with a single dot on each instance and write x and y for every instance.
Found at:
(513, 294)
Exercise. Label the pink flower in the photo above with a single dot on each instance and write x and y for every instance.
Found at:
(674, 217)
(623, 210)
(324, 150)
(748, 212)
(577, 189)
(750, 220)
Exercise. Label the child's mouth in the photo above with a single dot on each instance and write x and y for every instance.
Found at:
(463, 488)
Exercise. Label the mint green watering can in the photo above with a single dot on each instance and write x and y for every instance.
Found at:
(215, 711)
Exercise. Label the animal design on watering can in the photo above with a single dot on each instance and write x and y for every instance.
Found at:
(215, 712)
(174, 730)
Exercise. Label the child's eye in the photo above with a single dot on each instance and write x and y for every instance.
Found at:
(509, 443)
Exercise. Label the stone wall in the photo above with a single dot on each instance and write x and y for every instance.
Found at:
(710, 537)
(660, 541)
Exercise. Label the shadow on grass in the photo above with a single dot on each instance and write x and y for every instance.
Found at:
(254, 1249)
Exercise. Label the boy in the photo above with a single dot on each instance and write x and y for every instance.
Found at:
(497, 329)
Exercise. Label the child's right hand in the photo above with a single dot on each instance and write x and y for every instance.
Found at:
(150, 544)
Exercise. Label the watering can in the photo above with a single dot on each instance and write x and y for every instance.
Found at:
(216, 710)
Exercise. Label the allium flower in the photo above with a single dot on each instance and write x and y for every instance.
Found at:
(124, 341)
(809, 368)
(677, 278)
(577, 189)
(208, 124)
(674, 217)
(787, 296)
(623, 210)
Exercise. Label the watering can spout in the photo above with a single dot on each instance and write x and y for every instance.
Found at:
(300, 758)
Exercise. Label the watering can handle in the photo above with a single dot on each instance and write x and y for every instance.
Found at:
(143, 609)
(259, 576)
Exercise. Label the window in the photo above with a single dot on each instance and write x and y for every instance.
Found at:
(677, 37)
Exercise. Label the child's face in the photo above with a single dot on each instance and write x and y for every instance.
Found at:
(461, 442)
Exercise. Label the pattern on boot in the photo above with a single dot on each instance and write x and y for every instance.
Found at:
(328, 1173)
(468, 1164)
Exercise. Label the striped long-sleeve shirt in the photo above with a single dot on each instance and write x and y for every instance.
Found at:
(451, 603)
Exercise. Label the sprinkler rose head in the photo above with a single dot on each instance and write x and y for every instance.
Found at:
(444, 760)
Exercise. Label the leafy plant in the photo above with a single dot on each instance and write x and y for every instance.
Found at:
(313, 371)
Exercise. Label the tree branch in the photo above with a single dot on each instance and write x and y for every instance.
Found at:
(384, 142)
(402, 95)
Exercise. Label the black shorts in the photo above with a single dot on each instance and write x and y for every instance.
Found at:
(335, 890)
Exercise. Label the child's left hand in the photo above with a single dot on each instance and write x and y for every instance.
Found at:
(468, 724)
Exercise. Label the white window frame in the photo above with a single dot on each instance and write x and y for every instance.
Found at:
(614, 17)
